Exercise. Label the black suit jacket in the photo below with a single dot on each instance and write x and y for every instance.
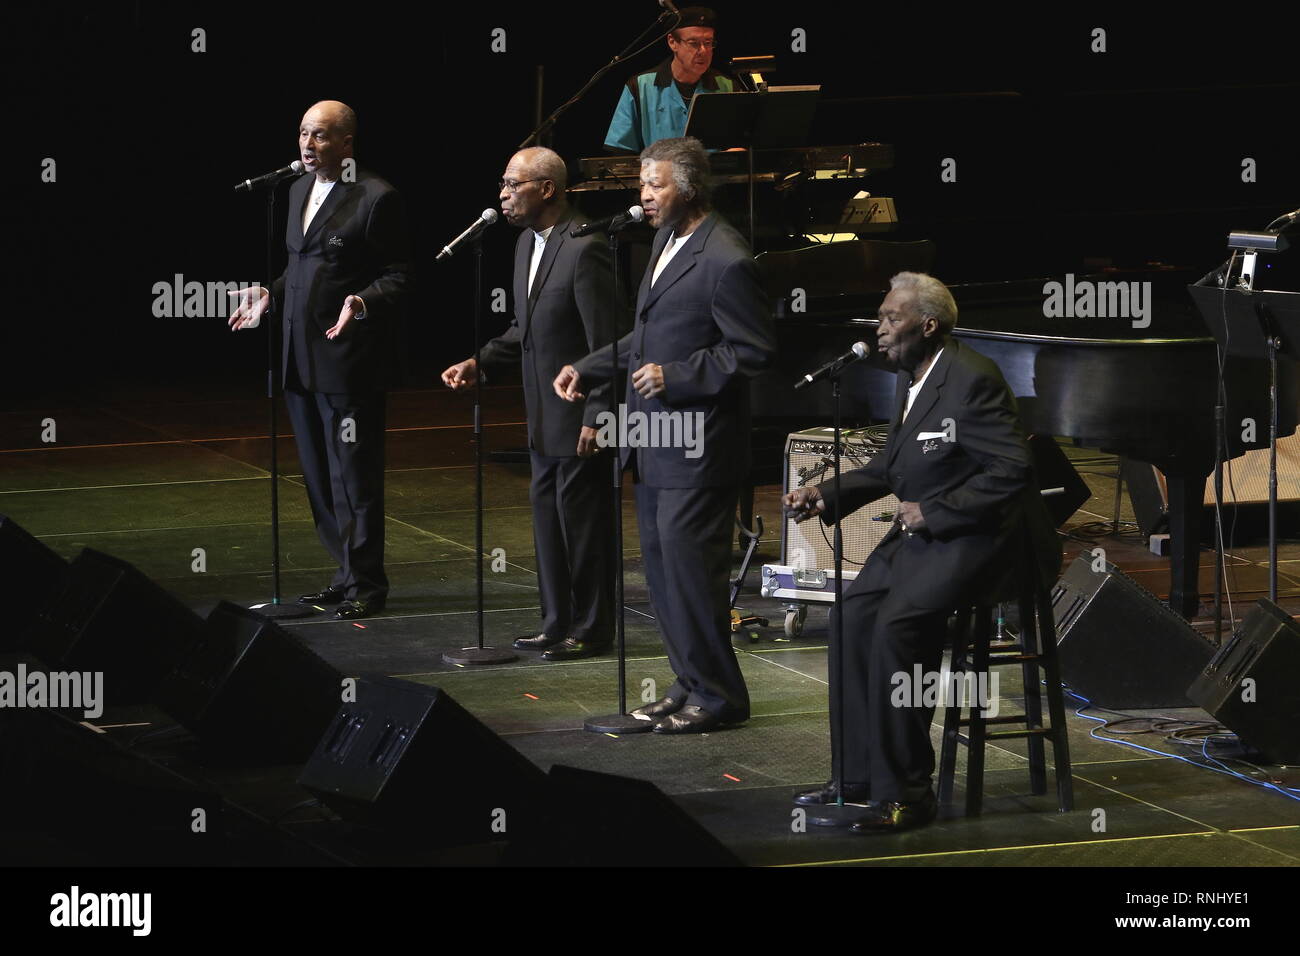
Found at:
(708, 323)
(356, 245)
(570, 311)
(978, 493)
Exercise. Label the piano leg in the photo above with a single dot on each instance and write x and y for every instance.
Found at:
(1186, 508)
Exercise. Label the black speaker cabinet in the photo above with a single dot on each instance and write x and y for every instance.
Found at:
(33, 575)
(1252, 685)
(251, 690)
(406, 756)
(1053, 470)
(72, 796)
(109, 617)
(1119, 646)
(600, 819)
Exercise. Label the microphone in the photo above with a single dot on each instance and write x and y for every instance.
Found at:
(488, 217)
(859, 351)
(1284, 221)
(270, 179)
(668, 6)
(612, 223)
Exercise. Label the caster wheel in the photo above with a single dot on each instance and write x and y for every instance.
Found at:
(794, 622)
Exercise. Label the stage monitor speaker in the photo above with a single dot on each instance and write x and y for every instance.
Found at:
(72, 796)
(809, 460)
(1053, 470)
(33, 575)
(604, 820)
(109, 617)
(1252, 685)
(406, 756)
(1119, 647)
(251, 690)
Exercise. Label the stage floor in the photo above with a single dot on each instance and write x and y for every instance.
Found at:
(151, 477)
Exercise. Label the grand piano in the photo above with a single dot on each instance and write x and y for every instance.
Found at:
(1144, 393)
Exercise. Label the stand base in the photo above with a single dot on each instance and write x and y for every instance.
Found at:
(617, 724)
(479, 655)
(832, 815)
(280, 612)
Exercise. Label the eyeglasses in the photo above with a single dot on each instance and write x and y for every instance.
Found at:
(698, 45)
(513, 185)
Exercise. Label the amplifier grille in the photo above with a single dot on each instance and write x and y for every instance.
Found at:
(809, 460)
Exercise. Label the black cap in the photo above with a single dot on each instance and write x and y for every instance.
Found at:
(697, 17)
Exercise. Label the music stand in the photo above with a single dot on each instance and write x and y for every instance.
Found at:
(1248, 324)
(779, 118)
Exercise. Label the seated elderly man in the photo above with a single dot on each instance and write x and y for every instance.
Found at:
(960, 466)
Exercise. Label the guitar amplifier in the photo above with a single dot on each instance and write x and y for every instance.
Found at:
(809, 460)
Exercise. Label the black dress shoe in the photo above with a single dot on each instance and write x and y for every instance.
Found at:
(571, 650)
(536, 643)
(351, 610)
(689, 720)
(330, 595)
(660, 708)
(894, 817)
(829, 794)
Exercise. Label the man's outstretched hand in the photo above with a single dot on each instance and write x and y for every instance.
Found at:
(352, 307)
(803, 503)
(248, 310)
(461, 375)
(567, 383)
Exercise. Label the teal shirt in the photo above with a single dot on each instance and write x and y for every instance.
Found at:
(656, 111)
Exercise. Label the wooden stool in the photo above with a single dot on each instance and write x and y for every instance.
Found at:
(974, 652)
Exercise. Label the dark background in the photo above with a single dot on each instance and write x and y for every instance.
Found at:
(1065, 158)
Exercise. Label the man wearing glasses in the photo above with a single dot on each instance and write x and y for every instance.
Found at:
(654, 104)
(564, 308)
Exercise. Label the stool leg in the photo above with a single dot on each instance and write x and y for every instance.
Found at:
(952, 711)
(1030, 641)
(1056, 705)
(976, 733)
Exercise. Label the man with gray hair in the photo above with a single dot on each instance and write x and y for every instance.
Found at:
(703, 329)
(959, 464)
(564, 308)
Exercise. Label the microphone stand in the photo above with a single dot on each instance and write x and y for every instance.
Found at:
(478, 654)
(621, 722)
(627, 54)
(275, 608)
(838, 814)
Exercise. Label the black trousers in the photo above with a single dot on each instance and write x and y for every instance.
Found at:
(686, 545)
(573, 522)
(886, 733)
(340, 439)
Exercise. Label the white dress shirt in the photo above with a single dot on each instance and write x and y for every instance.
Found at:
(319, 191)
(914, 390)
(670, 250)
(539, 245)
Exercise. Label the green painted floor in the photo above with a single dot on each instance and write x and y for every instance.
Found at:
(151, 480)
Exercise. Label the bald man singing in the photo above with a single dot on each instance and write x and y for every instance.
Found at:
(338, 299)
(564, 308)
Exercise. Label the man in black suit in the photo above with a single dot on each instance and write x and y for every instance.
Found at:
(564, 308)
(703, 329)
(340, 295)
(959, 464)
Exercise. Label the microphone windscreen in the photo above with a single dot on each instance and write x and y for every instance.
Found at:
(297, 166)
(636, 212)
(860, 349)
(489, 216)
